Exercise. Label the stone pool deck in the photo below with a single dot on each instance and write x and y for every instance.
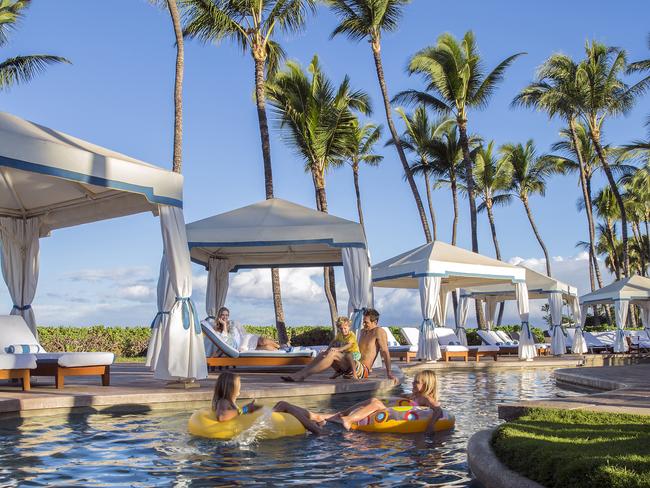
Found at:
(133, 388)
(621, 389)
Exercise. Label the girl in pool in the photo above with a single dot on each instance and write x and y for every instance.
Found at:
(239, 339)
(226, 392)
(425, 394)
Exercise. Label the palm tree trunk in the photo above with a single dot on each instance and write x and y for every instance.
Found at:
(591, 271)
(595, 137)
(586, 194)
(524, 200)
(376, 51)
(433, 214)
(612, 245)
(260, 101)
(454, 198)
(355, 173)
(178, 86)
(329, 283)
(493, 228)
(469, 175)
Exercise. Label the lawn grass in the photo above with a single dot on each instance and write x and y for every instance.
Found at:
(577, 449)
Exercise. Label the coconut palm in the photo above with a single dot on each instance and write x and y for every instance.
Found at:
(608, 211)
(252, 25)
(456, 82)
(556, 91)
(643, 65)
(418, 135)
(579, 155)
(19, 69)
(604, 95)
(318, 122)
(529, 173)
(368, 19)
(493, 178)
(360, 151)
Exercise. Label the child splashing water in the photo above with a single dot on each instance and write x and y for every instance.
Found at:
(425, 394)
(226, 392)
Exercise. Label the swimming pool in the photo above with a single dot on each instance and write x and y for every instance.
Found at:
(154, 448)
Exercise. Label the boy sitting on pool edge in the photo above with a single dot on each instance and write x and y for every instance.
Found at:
(345, 342)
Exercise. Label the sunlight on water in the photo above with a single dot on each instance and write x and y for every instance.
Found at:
(154, 448)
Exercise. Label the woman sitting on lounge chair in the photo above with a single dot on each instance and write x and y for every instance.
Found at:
(238, 338)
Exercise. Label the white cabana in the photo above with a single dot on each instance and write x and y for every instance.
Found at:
(634, 290)
(441, 267)
(277, 233)
(50, 180)
(539, 286)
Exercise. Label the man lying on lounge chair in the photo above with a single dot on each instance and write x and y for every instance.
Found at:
(372, 341)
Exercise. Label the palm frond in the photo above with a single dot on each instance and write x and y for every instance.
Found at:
(21, 69)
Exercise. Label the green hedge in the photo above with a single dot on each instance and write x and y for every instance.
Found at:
(133, 341)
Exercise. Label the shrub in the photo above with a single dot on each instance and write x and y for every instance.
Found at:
(122, 341)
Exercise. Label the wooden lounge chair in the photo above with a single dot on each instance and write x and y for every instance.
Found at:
(450, 346)
(58, 365)
(231, 357)
(542, 348)
(489, 338)
(17, 366)
(412, 334)
(399, 351)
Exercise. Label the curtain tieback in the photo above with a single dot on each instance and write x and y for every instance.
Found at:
(525, 325)
(426, 323)
(357, 317)
(23, 308)
(190, 316)
(155, 324)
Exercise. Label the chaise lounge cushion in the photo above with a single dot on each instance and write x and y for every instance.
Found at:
(448, 340)
(277, 354)
(17, 361)
(76, 359)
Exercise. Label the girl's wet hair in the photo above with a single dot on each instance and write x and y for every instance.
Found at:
(430, 383)
(224, 388)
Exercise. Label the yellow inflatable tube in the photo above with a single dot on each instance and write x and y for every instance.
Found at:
(404, 419)
(203, 423)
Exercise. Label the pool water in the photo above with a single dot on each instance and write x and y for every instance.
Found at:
(154, 448)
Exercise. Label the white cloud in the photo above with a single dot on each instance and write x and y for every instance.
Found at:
(110, 274)
(137, 293)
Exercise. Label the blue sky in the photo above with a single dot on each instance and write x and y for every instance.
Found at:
(118, 93)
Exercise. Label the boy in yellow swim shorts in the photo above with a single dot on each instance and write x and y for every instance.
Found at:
(346, 341)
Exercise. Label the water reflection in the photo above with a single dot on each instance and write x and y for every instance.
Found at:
(147, 448)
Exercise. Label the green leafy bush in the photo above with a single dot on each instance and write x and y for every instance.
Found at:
(123, 341)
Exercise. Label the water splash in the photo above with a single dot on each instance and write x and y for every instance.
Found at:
(255, 432)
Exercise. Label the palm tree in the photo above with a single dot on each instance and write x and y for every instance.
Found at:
(252, 26)
(368, 19)
(529, 174)
(643, 65)
(493, 178)
(361, 151)
(585, 163)
(417, 138)
(319, 124)
(456, 82)
(608, 211)
(556, 91)
(19, 69)
(604, 95)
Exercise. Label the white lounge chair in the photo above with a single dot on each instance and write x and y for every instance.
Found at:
(16, 333)
(412, 334)
(399, 351)
(17, 366)
(543, 349)
(231, 357)
(450, 345)
(490, 338)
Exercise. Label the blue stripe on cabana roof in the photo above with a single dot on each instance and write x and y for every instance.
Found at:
(92, 180)
(329, 242)
(447, 275)
(269, 266)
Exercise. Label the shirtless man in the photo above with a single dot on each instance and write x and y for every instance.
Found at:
(372, 341)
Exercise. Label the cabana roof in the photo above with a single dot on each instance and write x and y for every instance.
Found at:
(539, 286)
(459, 268)
(66, 181)
(634, 288)
(273, 233)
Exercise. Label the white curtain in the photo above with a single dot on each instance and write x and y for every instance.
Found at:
(356, 268)
(182, 355)
(558, 342)
(462, 313)
(490, 311)
(428, 346)
(215, 294)
(645, 317)
(19, 239)
(527, 349)
(621, 307)
(579, 343)
(165, 299)
(441, 311)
